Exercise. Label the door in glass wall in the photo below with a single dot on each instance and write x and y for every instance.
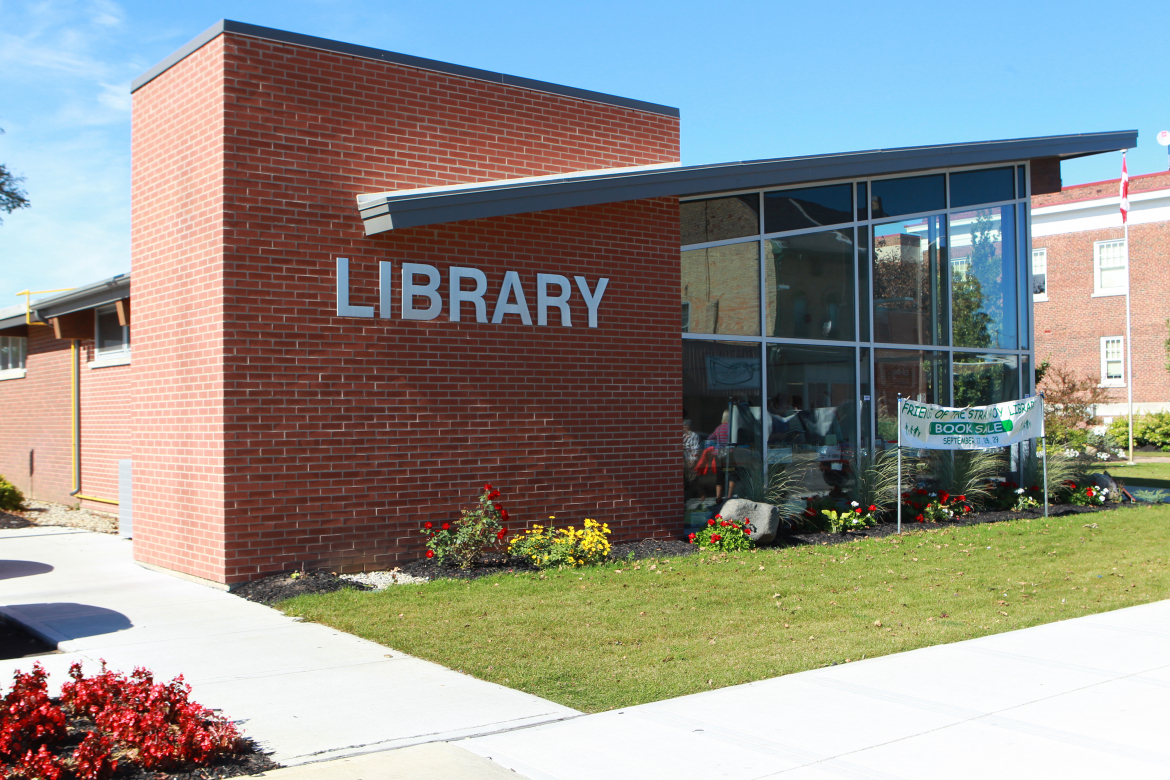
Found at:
(722, 426)
(811, 425)
(909, 288)
(917, 374)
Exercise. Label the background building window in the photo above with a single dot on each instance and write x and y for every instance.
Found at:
(13, 353)
(111, 339)
(1040, 274)
(1109, 268)
(1112, 361)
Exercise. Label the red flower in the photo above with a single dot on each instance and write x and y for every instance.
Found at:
(498, 507)
(711, 521)
(487, 488)
(858, 510)
(1089, 492)
(715, 537)
(446, 526)
(961, 498)
(504, 515)
(493, 495)
(428, 524)
(724, 523)
(1034, 488)
(430, 553)
(691, 538)
(872, 508)
(920, 518)
(501, 534)
(1010, 485)
(920, 492)
(809, 513)
(943, 497)
(906, 495)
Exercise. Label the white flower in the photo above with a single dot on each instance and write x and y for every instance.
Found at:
(1104, 491)
(854, 504)
(1019, 491)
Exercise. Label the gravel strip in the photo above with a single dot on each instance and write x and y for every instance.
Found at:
(45, 513)
(380, 580)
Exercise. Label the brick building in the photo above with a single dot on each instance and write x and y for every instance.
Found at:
(365, 283)
(1079, 278)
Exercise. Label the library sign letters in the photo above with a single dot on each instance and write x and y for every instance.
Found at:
(424, 294)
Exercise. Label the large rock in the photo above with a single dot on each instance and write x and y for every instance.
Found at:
(1106, 481)
(765, 518)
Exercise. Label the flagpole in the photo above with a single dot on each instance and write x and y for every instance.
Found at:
(1128, 325)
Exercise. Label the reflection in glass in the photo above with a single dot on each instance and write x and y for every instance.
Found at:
(863, 296)
(1021, 182)
(916, 374)
(811, 423)
(1026, 278)
(721, 289)
(989, 185)
(985, 379)
(862, 201)
(912, 195)
(809, 283)
(983, 272)
(908, 282)
(719, 219)
(808, 207)
(722, 434)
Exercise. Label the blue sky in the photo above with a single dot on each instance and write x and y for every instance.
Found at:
(752, 79)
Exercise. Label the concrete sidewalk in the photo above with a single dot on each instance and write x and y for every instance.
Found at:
(303, 691)
(1083, 698)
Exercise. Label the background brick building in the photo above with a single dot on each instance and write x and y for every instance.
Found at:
(1079, 286)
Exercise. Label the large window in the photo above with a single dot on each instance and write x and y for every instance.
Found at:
(13, 354)
(111, 338)
(807, 311)
(1109, 270)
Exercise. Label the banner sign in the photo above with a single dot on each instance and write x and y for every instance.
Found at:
(972, 428)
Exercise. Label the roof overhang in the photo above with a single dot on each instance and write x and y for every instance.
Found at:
(387, 211)
(78, 299)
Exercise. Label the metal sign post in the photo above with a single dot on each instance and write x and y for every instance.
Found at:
(899, 496)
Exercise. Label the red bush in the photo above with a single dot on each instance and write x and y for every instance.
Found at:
(156, 726)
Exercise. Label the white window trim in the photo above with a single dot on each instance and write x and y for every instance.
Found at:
(1098, 291)
(13, 373)
(1044, 295)
(1105, 381)
(109, 357)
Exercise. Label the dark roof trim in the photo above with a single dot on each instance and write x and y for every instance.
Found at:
(408, 208)
(81, 298)
(281, 36)
(12, 322)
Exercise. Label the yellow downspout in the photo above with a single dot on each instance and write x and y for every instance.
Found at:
(76, 403)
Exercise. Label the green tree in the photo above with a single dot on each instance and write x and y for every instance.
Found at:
(12, 197)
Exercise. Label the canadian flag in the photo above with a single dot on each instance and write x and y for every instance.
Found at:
(1124, 191)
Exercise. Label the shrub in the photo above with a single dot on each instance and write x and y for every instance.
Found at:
(854, 518)
(1062, 468)
(724, 535)
(876, 479)
(813, 515)
(149, 725)
(778, 486)
(465, 540)
(10, 495)
(548, 546)
(925, 506)
(1151, 429)
(1070, 403)
(1087, 495)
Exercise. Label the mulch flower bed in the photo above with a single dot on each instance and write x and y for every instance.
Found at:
(278, 587)
(110, 726)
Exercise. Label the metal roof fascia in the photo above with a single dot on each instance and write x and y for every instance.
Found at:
(12, 322)
(381, 55)
(88, 297)
(498, 199)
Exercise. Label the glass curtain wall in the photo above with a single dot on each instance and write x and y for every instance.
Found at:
(808, 311)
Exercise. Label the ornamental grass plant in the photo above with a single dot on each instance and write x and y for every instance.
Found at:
(625, 633)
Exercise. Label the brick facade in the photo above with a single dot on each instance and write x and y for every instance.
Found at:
(1071, 323)
(38, 428)
(270, 432)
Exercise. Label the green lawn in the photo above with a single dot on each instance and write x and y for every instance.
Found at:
(618, 635)
(1147, 474)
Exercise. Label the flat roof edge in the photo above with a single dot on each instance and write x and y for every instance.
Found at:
(81, 298)
(497, 199)
(396, 58)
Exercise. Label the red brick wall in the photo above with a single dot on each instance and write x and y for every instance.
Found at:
(338, 436)
(106, 422)
(37, 416)
(177, 315)
(1071, 323)
(1103, 189)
